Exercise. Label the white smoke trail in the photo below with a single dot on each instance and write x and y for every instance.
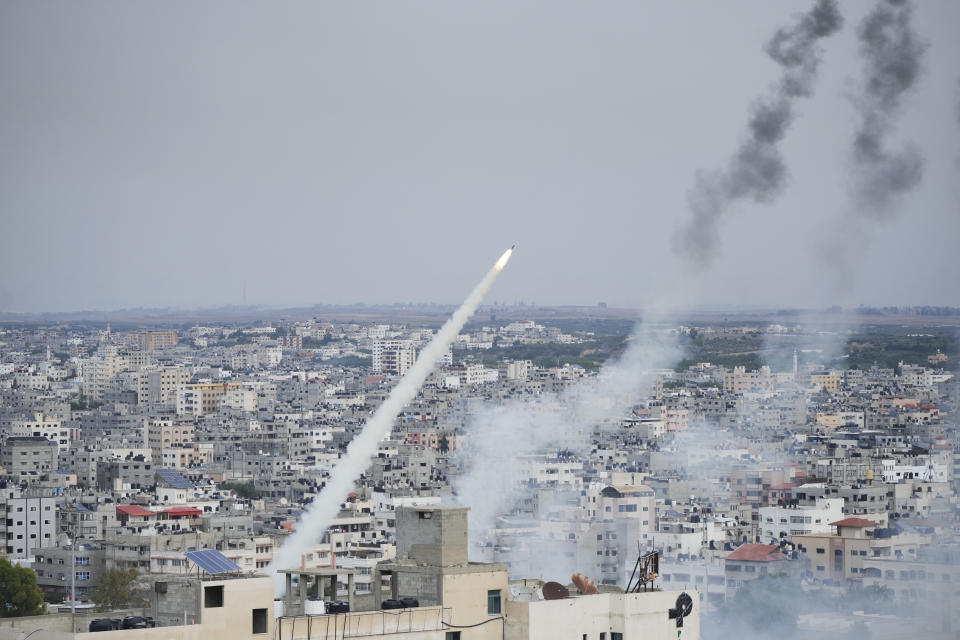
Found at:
(325, 506)
(500, 433)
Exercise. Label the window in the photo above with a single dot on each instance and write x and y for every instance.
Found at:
(259, 620)
(616, 636)
(83, 575)
(213, 596)
(493, 602)
(452, 635)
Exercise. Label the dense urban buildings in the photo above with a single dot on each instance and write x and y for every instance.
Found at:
(813, 470)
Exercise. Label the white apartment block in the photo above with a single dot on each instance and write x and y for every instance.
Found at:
(778, 523)
(45, 427)
(392, 356)
(158, 385)
(29, 523)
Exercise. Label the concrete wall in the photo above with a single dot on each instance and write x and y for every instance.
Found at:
(63, 622)
(636, 616)
(422, 583)
(433, 535)
(14, 634)
(423, 623)
(465, 597)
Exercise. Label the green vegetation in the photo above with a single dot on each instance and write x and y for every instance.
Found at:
(314, 343)
(883, 346)
(887, 350)
(236, 338)
(243, 489)
(590, 355)
(19, 592)
(118, 589)
(80, 403)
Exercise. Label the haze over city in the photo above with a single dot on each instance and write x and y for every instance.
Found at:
(165, 154)
(422, 320)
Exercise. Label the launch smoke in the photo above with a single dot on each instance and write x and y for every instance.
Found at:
(892, 55)
(757, 170)
(501, 433)
(326, 505)
(892, 62)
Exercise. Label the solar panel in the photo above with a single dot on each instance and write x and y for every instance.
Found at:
(174, 479)
(212, 561)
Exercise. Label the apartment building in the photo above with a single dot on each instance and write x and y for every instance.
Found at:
(151, 340)
(780, 522)
(158, 386)
(26, 523)
(840, 556)
(392, 356)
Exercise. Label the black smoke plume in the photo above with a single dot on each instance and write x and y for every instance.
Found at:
(893, 56)
(757, 170)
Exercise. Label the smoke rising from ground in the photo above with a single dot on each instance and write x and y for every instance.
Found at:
(893, 55)
(501, 433)
(757, 170)
(956, 114)
(325, 506)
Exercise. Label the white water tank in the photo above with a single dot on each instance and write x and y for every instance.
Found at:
(278, 608)
(313, 607)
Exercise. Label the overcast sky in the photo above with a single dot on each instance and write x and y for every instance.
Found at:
(161, 154)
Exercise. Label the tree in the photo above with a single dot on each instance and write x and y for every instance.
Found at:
(118, 589)
(444, 444)
(243, 489)
(19, 593)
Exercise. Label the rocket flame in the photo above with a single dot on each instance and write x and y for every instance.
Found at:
(502, 262)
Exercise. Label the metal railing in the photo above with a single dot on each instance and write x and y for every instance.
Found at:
(337, 626)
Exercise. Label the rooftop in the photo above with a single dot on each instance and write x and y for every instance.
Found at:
(854, 522)
(751, 552)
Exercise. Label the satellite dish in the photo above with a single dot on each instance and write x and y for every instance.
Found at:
(555, 591)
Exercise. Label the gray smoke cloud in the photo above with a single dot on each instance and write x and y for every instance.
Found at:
(893, 55)
(757, 170)
(500, 433)
(956, 113)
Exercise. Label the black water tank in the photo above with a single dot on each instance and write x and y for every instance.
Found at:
(409, 603)
(338, 606)
(103, 624)
(134, 622)
(391, 604)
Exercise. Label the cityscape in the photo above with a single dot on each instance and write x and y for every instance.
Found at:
(705, 383)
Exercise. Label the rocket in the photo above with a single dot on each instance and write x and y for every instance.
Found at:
(502, 262)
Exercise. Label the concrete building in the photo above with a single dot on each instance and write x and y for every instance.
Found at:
(392, 356)
(158, 386)
(841, 556)
(119, 475)
(29, 457)
(202, 398)
(780, 522)
(27, 523)
(150, 340)
(47, 427)
(164, 433)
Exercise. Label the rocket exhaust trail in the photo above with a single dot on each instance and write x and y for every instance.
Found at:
(324, 508)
